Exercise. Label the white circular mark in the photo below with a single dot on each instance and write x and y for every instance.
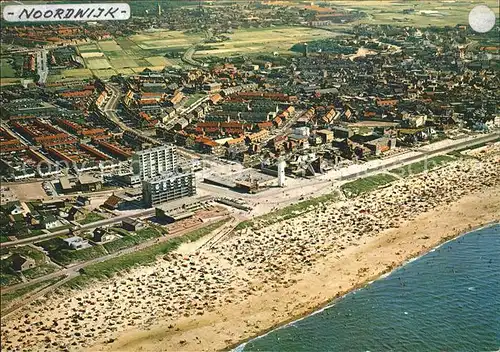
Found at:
(482, 19)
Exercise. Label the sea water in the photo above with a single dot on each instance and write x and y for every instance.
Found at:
(447, 300)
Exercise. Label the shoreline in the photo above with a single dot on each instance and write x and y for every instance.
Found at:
(239, 346)
(160, 338)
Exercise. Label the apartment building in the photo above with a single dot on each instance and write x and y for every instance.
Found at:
(152, 162)
(165, 188)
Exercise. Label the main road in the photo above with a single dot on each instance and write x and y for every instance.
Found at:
(42, 66)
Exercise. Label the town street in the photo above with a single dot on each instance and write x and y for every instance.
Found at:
(42, 66)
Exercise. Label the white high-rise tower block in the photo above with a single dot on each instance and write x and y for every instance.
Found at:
(152, 162)
(281, 173)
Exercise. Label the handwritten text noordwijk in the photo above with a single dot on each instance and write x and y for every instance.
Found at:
(66, 12)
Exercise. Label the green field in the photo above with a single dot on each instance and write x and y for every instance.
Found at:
(104, 74)
(157, 61)
(91, 217)
(366, 184)
(129, 55)
(421, 166)
(88, 48)
(77, 73)
(38, 271)
(109, 45)
(125, 71)
(164, 40)
(70, 74)
(9, 81)
(60, 254)
(123, 55)
(130, 239)
(145, 256)
(6, 68)
(127, 44)
(428, 13)
(71, 256)
(264, 40)
(193, 98)
(123, 63)
(97, 64)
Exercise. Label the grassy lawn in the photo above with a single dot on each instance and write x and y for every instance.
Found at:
(52, 244)
(97, 64)
(60, 254)
(37, 232)
(131, 239)
(6, 69)
(145, 256)
(285, 213)
(366, 184)
(193, 98)
(421, 166)
(26, 251)
(71, 256)
(38, 271)
(148, 233)
(121, 243)
(91, 217)
(104, 73)
(88, 48)
(120, 231)
(77, 73)
(9, 297)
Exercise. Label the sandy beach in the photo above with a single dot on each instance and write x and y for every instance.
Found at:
(261, 277)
